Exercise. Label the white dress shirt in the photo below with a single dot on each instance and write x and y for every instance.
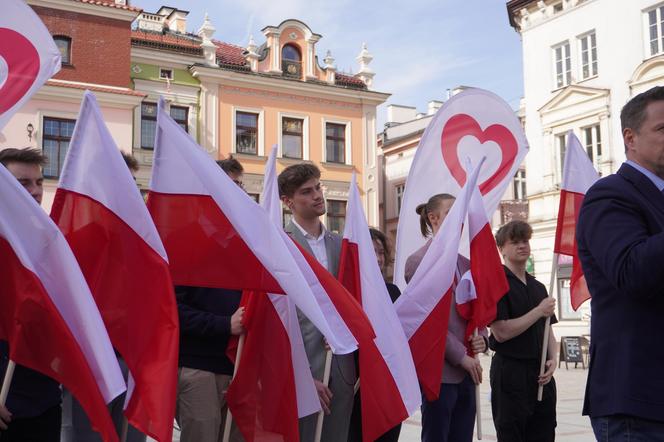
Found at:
(317, 244)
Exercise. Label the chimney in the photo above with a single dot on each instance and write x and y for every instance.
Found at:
(433, 106)
(397, 113)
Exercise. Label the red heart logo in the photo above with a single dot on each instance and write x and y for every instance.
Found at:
(22, 67)
(461, 125)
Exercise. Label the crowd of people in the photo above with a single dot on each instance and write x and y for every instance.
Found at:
(621, 247)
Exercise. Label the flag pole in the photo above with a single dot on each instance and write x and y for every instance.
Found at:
(125, 429)
(9, 374)
(547, 325)
(326, 381)
(478, 408)
(229, 417)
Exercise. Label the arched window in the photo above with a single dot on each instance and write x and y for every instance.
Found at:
(290, 53)
(291, 61)
(64, 45)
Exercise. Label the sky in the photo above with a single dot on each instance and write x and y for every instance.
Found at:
(421, 48)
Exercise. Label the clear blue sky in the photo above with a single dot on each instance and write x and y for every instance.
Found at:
(420, 47)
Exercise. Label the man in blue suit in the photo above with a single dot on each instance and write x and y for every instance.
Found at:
(620, 238)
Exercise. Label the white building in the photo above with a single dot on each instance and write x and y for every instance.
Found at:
(582, 61)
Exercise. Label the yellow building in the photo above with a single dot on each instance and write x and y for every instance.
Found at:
(278, 94)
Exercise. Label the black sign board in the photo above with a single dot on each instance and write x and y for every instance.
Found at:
(571, 346)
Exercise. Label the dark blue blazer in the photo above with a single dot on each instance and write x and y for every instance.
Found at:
(620, 238)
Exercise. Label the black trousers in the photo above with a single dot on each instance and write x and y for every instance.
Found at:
(42, 428)
(451, 417)
(517, 415)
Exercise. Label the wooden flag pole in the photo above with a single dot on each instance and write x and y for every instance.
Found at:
(326, 381)
(9, 374)
(478, 408)
(547, 326)
(125, 429)
(229, 417)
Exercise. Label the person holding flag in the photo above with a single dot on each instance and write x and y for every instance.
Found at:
(208, 318)
(34, 400)
(451, 416)
(516, 337)
(301, 192)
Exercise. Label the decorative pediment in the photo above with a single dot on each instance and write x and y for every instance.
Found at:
(574, 102)
(648, 74)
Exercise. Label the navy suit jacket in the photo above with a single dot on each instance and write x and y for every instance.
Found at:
(620, 238)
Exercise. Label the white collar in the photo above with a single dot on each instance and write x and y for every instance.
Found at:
(307, 234)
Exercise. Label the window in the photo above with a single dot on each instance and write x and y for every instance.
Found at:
(656, 30)
(520, 185)
(400, 189)
(336, 216)
(563, 65)
(255, 196)
(149, 122)
(57, 135)
(166, 74)
(566, 313)
(246, 133)
(592, 138)
(561, 147)
(64, 46)
(291, 137)
(335, 143)
(558, 8)
(588, 47)
(181, 116)
(291, 61)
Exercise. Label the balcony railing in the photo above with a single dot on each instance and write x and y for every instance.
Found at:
(291, 69)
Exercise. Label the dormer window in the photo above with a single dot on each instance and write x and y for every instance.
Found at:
(64, 46)
(291, 61)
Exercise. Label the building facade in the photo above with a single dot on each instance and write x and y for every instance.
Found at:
(582, 60)
(93, 38)
(243, 100)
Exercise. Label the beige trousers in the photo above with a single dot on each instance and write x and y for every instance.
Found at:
(201, 406)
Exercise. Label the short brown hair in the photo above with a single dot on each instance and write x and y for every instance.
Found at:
(292, 177)
(130, 161)
(231, 165)
(27, 155)
(425, 209)
(514, 231)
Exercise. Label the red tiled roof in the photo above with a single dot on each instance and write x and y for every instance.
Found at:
(230, 54)
(169, 39)
(110, 4)
(347, 80)
(96, 88)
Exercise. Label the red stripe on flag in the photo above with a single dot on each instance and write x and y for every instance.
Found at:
(349, 269)
(203, 248)
(428, 347)
(40, 339)
(489, 279)
(382, 405)
(568, 215)
(262, 397)
(132, 288)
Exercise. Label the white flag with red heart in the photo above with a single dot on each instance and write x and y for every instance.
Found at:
(472, 124)
(28, 56)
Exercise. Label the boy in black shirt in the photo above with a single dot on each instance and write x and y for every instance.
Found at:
(516, 337)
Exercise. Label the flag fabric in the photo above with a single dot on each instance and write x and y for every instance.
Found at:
(48, 315)
(203, 217)
(389, 387)
(273, 386)
(474, 123)
(578, 175)
(29, 53)
(424, 307)
(104, 218)
(487, 282)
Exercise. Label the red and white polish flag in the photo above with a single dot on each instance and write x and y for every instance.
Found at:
(103, 216)
(477, 302)
(424, 307)
(389, 387)
(579, 175)
(48, 315)
(273, 386)
(217, 236)
(28, 56)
